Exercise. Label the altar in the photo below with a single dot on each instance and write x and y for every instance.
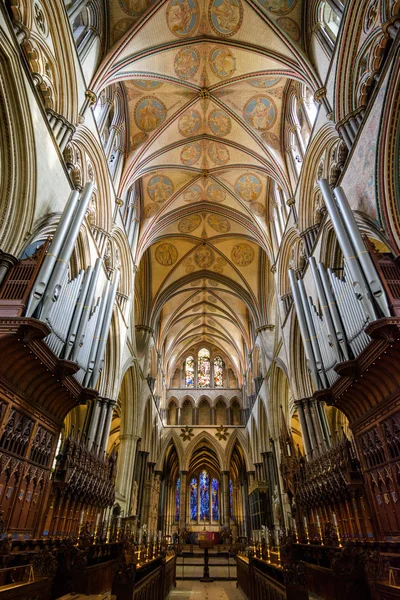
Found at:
(195, 537)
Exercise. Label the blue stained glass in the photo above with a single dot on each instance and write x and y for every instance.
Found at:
(193, 499)
(231, 497)
(214, 499)
(204, 496)
(177, 498)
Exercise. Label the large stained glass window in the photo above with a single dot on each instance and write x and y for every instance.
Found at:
(177, 498)
(204, 496)
(193, 498)
(189, 371)
(231, 497)
(203, 368)
(218, 372)
(214, 500)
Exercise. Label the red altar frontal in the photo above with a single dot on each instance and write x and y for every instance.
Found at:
(194, 537)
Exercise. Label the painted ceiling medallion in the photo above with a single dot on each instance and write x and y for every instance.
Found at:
(222, 62)
(166, 254)
(190, 153)
(264, 82)
(215, 193)
(149, 113)
(187, 62)
(138, 139)
(150, 210)
(271, 139)
(218, 153)
(219, 224)
(290, 27)
(189, 123)
(160, 188)
(147, 84)
(279, 7)
(134, 7)
(225, 16)
(183, 17)
(257, 209)
(204, 257)
(248, 187)
(219, 122)
(189, 224)
(192, 194)
(242, 255)
(260, 112)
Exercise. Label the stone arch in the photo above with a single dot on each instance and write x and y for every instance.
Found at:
(171, 437)
(17, 155)
(204, 436)
(237, 437)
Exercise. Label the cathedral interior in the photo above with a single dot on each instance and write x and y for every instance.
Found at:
(200, 299)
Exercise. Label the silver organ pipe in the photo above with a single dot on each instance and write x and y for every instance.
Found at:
(351, 310)
(71, 337)
(84, 348)
(105, 329)
(328, 354)
(60, 315)
(86, 312)
(61, 266)
(337, 322)
(362, 253)
(51, 257)
(313, 334)
(95, 337)
(327, 318)
(357, 276)
(305, 334)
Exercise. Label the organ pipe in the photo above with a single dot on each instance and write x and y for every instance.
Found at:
(61, 266)
(73, 327)
(363, 255)
(105, 329)
(51, 257)
(314, 341)
(87, 307)
(96, 335)
(304, 330)
(338, 325)
(360, 285)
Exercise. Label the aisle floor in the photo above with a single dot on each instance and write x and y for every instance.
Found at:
(196, 590)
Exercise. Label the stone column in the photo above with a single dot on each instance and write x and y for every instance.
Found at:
(182, 501)
(303, 427)
(226, 518)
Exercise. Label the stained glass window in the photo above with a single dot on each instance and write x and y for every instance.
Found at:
(177, 498)
(214, 500)
(189, 371)
(218, 372)
(203, 368)
(193, 499)
(204, 496)
(231, 497)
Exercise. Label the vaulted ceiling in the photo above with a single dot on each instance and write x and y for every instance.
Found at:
(205, 83)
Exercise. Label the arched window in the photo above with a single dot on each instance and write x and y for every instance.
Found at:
(189, 372)
(214, 499)
(218, 372)
(330, 19)
(177, 498)
(204, 496)
(203, 368)
(193, 498)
